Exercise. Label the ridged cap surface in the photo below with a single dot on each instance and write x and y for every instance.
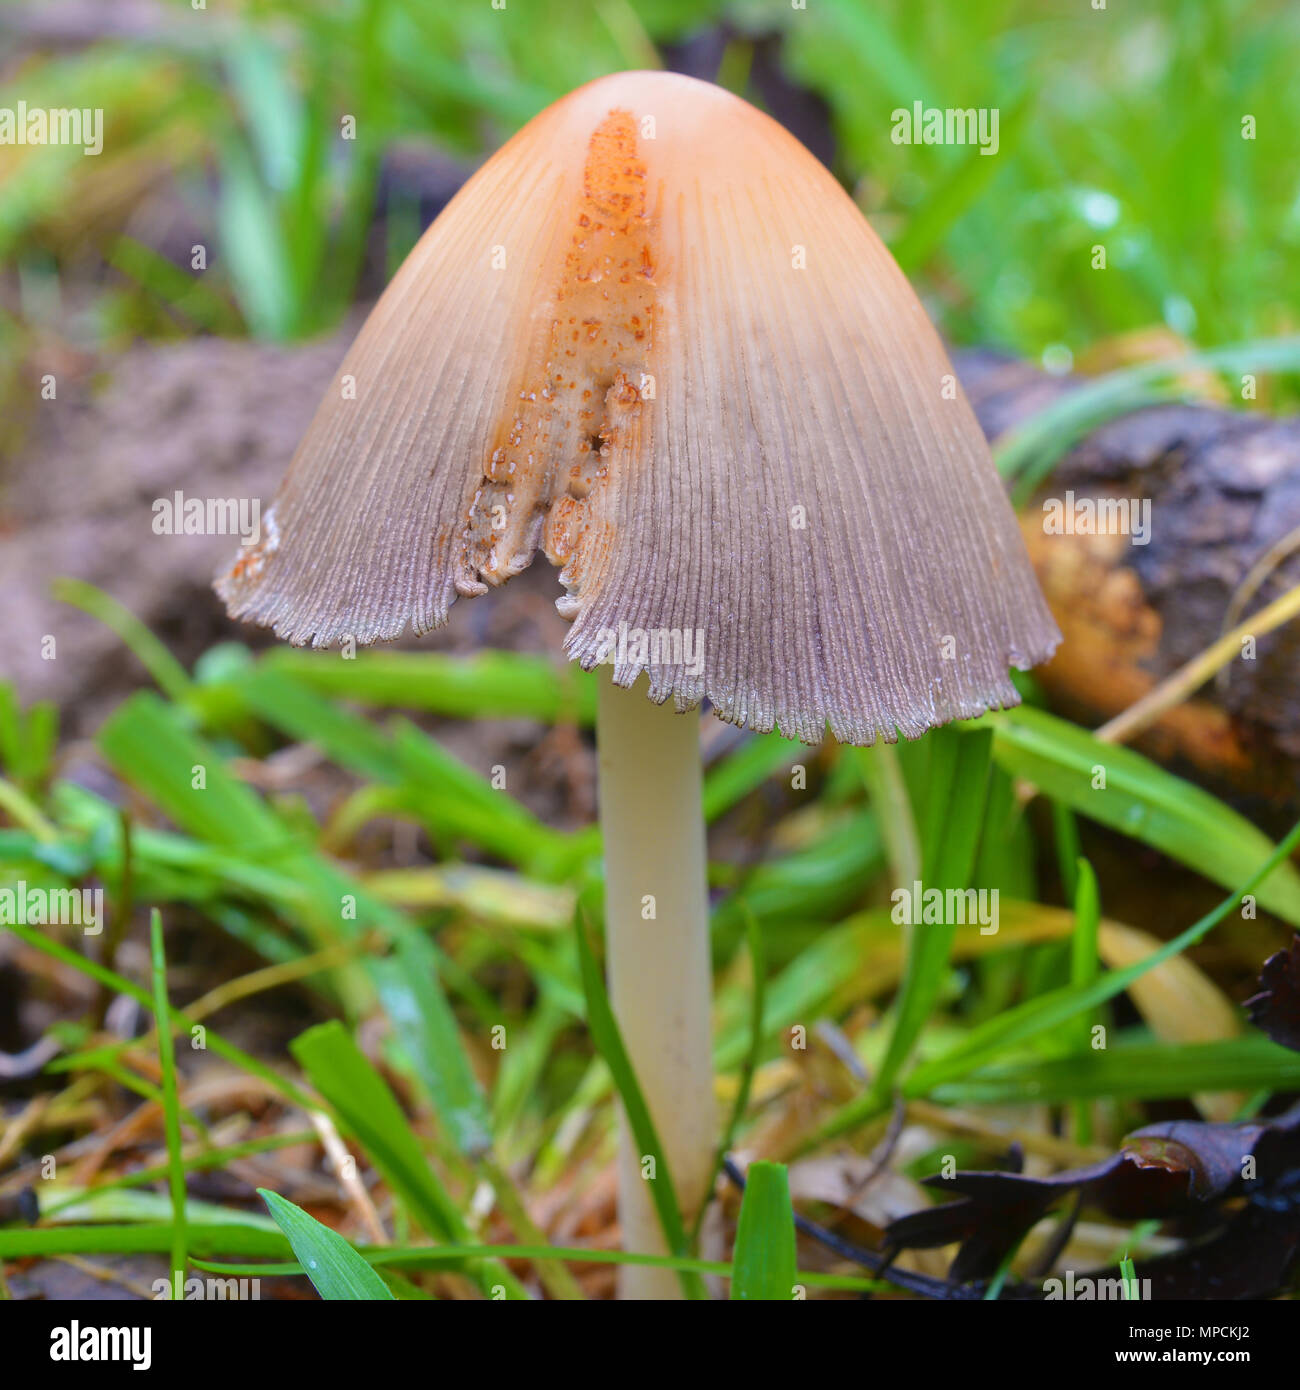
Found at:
(653, 337)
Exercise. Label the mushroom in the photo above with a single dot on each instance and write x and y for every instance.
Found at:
(654, 337)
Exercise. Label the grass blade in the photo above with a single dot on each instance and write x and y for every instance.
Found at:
(1030, 453)
(146, 740)
(1084, 967)
(440, 1256)
(171, 677)
(488, 685)
(764, 1264)
(339, 1070)
(950, 831)
(741, 772)
(218, 1238)
(984, 1042)
(1132, 1071)
(1049, 1010)
(1123, 790)
(119, 984)
(428, 1035)
(328, 1260)
(369, 1111)
(757, 1000)
(171, 1105)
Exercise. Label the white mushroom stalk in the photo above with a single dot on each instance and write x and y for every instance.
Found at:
(657, 951)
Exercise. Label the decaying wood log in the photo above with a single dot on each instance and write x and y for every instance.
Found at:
(1223, 489)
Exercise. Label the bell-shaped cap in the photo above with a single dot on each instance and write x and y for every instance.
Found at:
(654, 337)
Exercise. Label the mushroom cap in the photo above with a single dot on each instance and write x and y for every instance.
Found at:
(653, 336)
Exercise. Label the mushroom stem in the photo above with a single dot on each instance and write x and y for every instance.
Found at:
(657, 945)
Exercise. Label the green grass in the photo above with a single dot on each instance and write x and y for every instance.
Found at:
(232, 856)
(332, 1265)
(171, 1107)
(765, 1265)
(1119, 128)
